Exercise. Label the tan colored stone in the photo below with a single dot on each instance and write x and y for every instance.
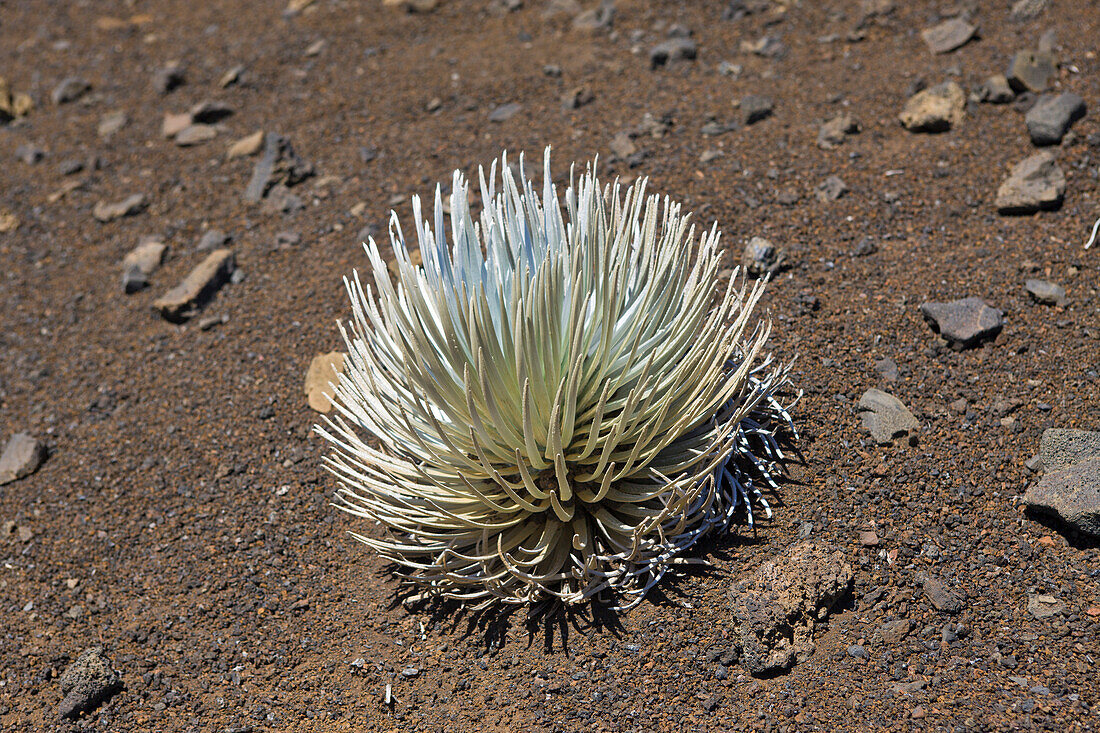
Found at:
(146, 257)
(246, 146)
(182, 301)
(175, 123)
(937, 109)
(324, 371)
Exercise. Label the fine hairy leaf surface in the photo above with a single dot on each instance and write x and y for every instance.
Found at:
(559, 401)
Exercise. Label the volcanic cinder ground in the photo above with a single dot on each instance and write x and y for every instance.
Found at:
(182, 520)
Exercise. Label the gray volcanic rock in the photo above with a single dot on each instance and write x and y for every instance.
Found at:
(21, 457)
(1051, 117)
(88, 682)
(886, 417)
(778, 608)
(964, 323)
(948, 35)
(1072, 494)
(1060, 448)
(1034, 183)
(1042, 291)
(1031, 71)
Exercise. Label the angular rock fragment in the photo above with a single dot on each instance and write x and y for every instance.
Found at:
(1045, 292)
(886, 417)
(1035, 183)
(247, 146)
(831, 189)
(761, 257)
(21, 457)
(671, 51)
(174, 123)
(1024, 10)
(88, 682)
(755, 107)
(13, 104)
(195, 134)
(70, 90)
(171, 76)
(835, 131)
(1061, 448)
(1072, 494)
(184, 300)
(995, 90)
(942, 597)
(208, 112)
(1041, 606)
(936, 109)
(778, 608)
(1031, 71)
(105, 211)
(279, 164)
(1051, 117)
(140, 263)
(505, 112)
(30, 153)
(323, 370)
(111, 123)
(948, 35)
(963, 323)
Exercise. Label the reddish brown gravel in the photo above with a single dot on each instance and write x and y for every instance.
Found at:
(182, 522)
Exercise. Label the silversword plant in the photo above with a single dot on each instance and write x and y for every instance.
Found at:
(559, 402)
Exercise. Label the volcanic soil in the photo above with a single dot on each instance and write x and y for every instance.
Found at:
(182, 520)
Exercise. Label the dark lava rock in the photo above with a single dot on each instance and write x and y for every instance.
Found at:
(948, 35)
(1031, 71)
(88, 682)
(672, 50)
(21, 457)
(778, 608)
(278, 164)
(1072, 494)
(1034, 183)
(70, 90)
(761, 257)
(1051, 117)
(1046, 292)
(1060, 448)
(886, 417)
(755, 107)
(964, 323)
(942, 597)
